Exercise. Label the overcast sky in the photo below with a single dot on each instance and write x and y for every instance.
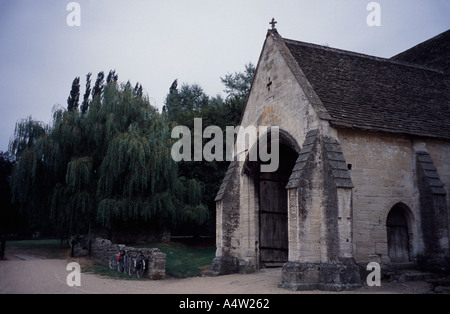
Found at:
(154, 42)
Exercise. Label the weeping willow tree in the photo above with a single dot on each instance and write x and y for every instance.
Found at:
(29, 184)
(108, 164)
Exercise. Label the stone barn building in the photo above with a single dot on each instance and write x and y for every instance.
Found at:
(364, 169)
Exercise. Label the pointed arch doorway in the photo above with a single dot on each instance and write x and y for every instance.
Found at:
(398, 235)
(273, 210)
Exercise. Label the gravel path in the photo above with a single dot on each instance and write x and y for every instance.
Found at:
(22, 275)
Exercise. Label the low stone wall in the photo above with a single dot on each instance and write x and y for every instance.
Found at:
(103, 250)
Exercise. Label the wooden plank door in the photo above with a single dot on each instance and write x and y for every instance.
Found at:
(273, 221)
(398, 239)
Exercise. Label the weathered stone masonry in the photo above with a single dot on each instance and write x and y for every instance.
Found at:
(371, 180)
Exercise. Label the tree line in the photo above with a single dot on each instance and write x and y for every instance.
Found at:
(105, 159)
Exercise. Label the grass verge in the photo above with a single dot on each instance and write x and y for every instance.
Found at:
(50, 249)
(185, 260)
(90, 266)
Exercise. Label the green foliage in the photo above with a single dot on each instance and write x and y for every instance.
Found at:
(238, 85)
(110, 163)
(181, 104)
(74, 97)
(112, 76)
(79, 173)
(98, 87)
(9, 219)
(189, 102)
(85, 104)
(26, 133)
(25, 170)
(184, 261)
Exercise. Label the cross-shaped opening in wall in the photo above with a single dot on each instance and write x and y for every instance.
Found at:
(269, 84)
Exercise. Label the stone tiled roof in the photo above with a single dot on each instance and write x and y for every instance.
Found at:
(304, 157)
(433, 53)
(430, 174)
(225, 180)
(334, 160)
(370, 93)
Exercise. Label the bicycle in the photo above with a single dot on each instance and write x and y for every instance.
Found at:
(114, 261)
(125, 264)
(122, 262)
(140, 265)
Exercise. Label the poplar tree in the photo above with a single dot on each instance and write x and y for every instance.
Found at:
(85, 104)
(74, 97)
(98, 87)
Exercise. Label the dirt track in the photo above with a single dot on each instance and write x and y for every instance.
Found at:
(49, 276)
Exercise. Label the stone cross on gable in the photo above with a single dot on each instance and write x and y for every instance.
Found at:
(273, 23)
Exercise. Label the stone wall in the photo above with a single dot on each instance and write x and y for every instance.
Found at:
(103, 250)
(385, 172)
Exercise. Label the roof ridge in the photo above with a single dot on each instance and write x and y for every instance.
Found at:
(424, 43)
(362, 55)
